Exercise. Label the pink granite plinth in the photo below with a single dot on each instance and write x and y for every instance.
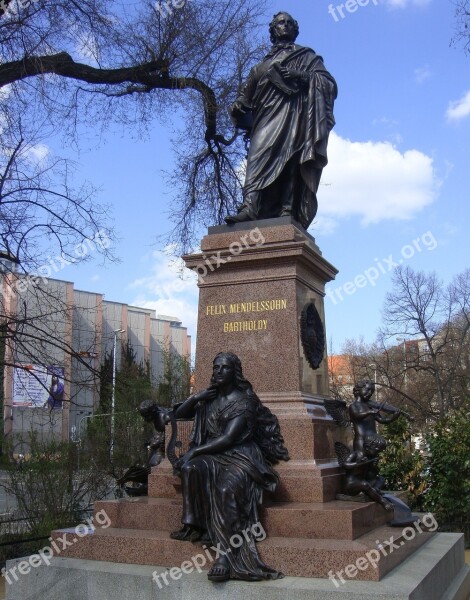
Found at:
(162, 483)
(335, 520)
(299, 557)
(307, 481)
(300, 481)
(254, 284)
(309, 438)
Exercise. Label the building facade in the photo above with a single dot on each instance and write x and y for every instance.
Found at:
(56, 340)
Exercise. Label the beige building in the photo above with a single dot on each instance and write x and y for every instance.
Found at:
(59, 338)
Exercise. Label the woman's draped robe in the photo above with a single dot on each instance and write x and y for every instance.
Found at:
(222, 491)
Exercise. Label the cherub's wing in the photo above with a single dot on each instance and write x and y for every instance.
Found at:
(342, 453)
(338, 410)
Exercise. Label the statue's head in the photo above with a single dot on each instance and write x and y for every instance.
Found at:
(283, 28)
(152, 413)
(373, 445)
(232, 359)
(364, 389)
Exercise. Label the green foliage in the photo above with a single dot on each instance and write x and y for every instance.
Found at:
(50, 492)
(133, 385)
(449, 472)
(15, 547)
(400, 465)
(130, 436)
(174, 386)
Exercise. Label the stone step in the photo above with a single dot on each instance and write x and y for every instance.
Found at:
(293, 556)
(336, 520)
(317, 520)
(300, 481)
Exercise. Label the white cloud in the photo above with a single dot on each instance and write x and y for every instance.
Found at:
(374, 181)
(6, 90)
(170, 290)
(324, 225)
(422, 74)
(459, 109)
(37, 152)
(33, 153)
(395, 138)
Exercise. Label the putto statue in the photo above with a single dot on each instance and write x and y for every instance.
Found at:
(235, 442)
(361, 464)
(286, 106)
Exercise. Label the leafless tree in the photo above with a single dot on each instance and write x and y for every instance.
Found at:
(462, 17)
(68, 64)
(100, 61)
(46, 224)
(43, 216)
(421, 356)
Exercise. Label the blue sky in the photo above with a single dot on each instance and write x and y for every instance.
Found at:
(396, 188)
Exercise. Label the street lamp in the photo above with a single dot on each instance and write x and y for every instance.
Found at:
(399, 339)
(113, 393)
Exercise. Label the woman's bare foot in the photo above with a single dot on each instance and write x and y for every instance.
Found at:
(220, 570)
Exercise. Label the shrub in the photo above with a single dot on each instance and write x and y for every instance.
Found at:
(401, 465)
(449, 472)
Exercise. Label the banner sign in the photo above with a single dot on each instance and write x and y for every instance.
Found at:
(38, 386)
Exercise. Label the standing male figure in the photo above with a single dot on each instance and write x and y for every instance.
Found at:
(290, 97)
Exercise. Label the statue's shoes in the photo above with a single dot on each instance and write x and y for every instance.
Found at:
(183, 534)
(198, 535)
(243, 215)
(205, 538)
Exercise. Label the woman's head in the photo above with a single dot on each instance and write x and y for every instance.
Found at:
(232, 359)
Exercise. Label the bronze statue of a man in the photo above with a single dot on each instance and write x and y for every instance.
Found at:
(287, 105)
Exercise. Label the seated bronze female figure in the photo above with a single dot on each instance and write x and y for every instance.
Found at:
(235, 441)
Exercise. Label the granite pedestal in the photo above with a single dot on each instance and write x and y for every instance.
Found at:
(255, 281)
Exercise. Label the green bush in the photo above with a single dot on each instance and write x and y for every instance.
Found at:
(401, 465)
(449, 473)
(50, 491)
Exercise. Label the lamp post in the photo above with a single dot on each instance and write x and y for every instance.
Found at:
(399, 339)
(113, 392)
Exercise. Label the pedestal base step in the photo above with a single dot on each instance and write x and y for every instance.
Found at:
(336, 520)
(375, 553)
(435, 572)
(300, 481)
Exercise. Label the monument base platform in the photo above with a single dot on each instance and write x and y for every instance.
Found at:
(434, 572)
